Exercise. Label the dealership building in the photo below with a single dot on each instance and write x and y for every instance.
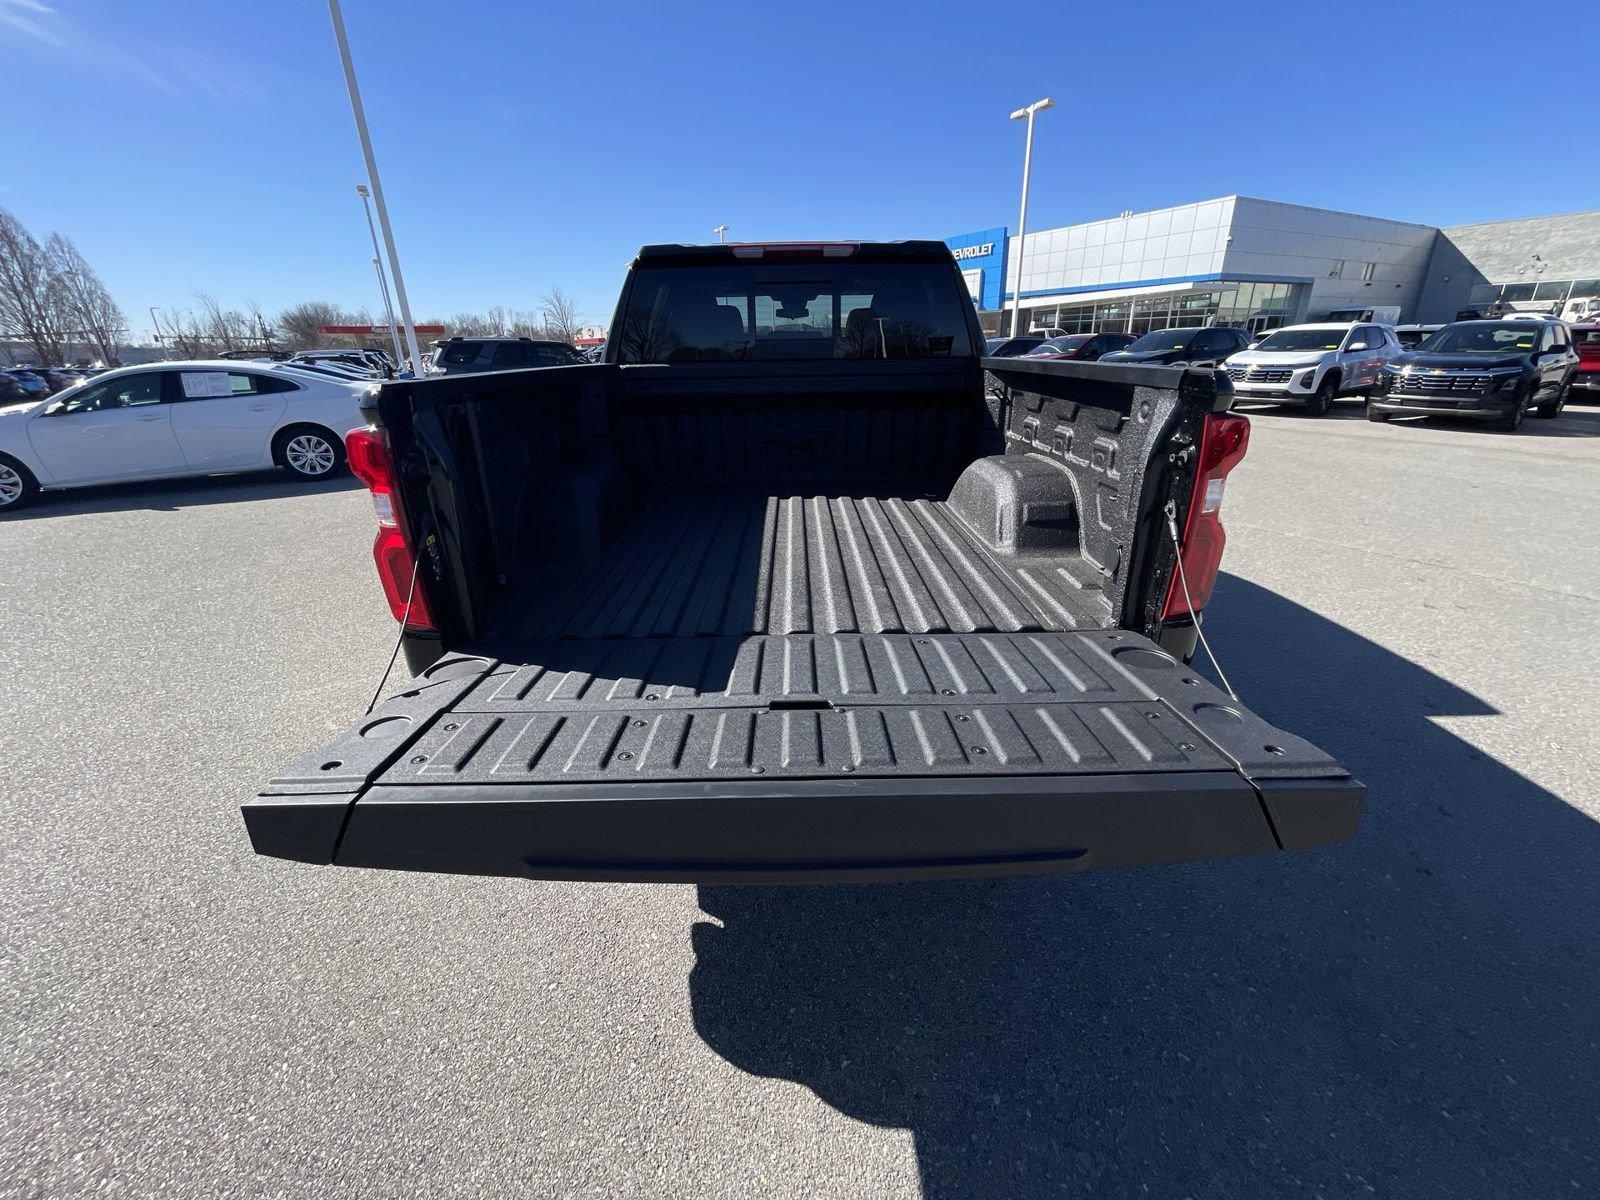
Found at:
(1258, 264)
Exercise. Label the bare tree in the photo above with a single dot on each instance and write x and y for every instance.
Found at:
(300, 325)
(27, 308)
(560, 315)
(225, 329)
(471, 324)
(84, 309)
(525, 322)
(184, 335)
(261, 329)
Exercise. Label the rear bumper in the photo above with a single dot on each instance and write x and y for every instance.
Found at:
(814, 831)
(1586, 381)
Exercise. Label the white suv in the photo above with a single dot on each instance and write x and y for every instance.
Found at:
(1311, 365)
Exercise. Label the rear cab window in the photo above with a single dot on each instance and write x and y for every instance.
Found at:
(777, 311)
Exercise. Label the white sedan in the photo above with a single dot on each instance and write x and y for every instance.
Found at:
(167, 420)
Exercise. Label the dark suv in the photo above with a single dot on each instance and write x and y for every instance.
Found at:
(1202, 347)
(1012, 347)
(1492, 370)
(460, 355)
(1085, 347)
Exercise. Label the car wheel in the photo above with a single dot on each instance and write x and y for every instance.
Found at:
(17, 485)
(308, 453)
(1512, 421)
(1374, 415)
(1552, 407)
(1322, 402)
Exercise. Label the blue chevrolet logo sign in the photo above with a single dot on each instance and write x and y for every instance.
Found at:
(982, 250)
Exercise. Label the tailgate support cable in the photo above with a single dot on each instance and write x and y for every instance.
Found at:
(1183, 579)
(416, 565)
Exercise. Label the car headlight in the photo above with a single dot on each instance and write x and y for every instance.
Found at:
(1392, 369)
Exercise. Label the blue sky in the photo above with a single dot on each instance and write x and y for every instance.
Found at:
(193, 146)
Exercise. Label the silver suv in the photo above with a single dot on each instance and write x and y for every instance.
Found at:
(1310, 365)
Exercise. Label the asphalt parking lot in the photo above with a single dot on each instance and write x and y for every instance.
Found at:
(1414, 1013)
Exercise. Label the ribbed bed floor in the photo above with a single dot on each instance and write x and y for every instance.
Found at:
(715, 562)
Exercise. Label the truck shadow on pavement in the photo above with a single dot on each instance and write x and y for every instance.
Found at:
(1412, 1013)
(169, 495)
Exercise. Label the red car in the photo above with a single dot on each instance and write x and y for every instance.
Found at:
(1586, 341)
(1085, 347)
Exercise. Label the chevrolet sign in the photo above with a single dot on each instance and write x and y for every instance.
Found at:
(979, 251)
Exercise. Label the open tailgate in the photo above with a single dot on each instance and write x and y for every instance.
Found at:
(805, 757)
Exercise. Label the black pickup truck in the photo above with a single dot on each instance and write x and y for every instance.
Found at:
(797, 586)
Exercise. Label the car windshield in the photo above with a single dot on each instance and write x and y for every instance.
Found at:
(834, 310)
(1061, 345)
(1302, 339)
(1162, 339)
(1483, 338)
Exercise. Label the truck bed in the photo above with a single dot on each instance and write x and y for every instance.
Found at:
(704, 562)
(805, 622)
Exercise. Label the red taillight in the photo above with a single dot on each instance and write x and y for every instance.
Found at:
(368, 454)
(1223, 442)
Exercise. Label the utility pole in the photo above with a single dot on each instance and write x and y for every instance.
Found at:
(383, 284)
(377, 184)
(1037, 106)
(160, 341)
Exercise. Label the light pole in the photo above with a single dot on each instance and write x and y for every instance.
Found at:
(383, 284)
(722, 233)
(377, 184)
(1037, 106)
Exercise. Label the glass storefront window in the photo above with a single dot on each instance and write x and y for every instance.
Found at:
(1517, 291)
(1243, 305)
(1550, 291)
